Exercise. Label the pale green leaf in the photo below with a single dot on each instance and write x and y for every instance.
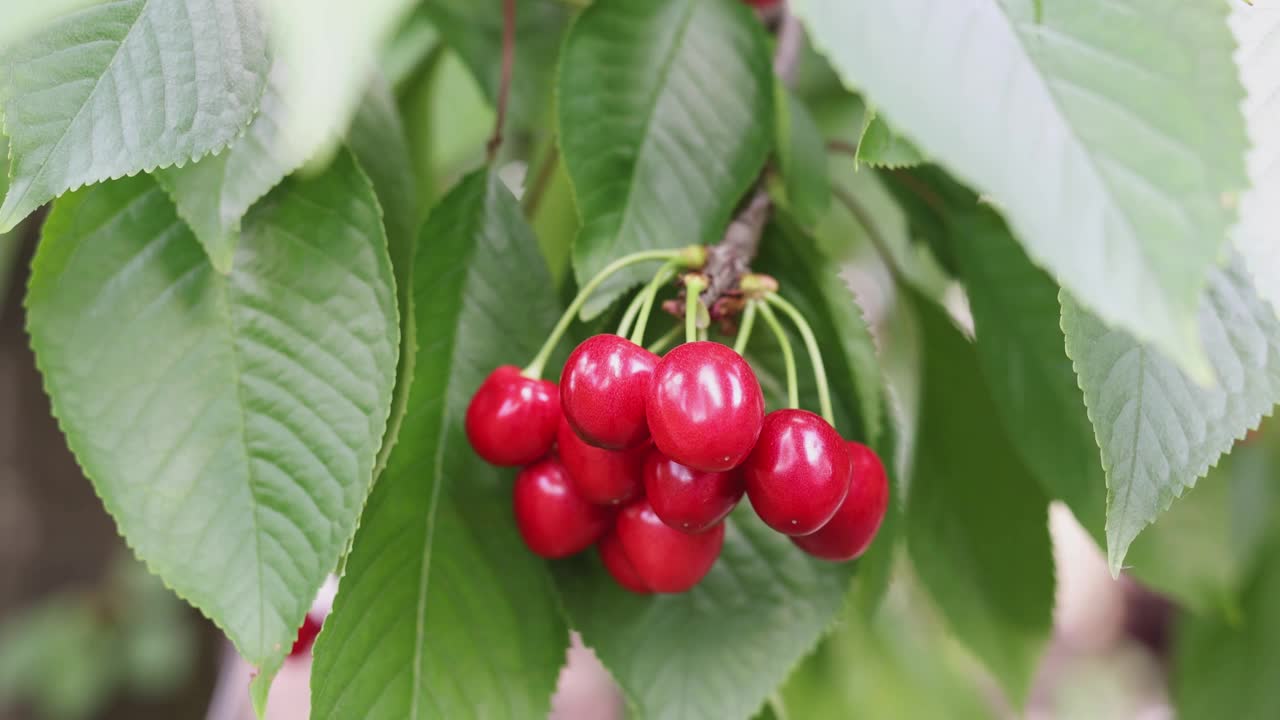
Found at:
(229, 423)
(123, 87)
(442, 611)
(1257, 30)
(23, 19)
(329, 50)
(880, 146)
(1223, 667)
(474, 31)
(977, 522)
(1205, 547)
(802, 158)
(719, 650)
(213, 195)
(665, 118)
(1112, 141)
(1159, 431)
(1023, 358)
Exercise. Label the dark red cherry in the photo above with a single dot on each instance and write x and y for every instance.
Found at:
(665, 559)
(554, 520)
(686, 499)
(602, 391)
(512, 419)
(603, 477)
(848, 534)
(704, 406)
(307, 633)
(619, 566)
(798, 473)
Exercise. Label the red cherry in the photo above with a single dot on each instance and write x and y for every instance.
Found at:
(554, 520)
(619, 566)
(855, 523)
(798, 473)
(665, 559)
(602, 391)
(603, 477)
(704, 406)
(686, 499)
(307, 633)
(512, 419)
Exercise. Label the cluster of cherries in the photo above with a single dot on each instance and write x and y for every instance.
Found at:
(644, 456)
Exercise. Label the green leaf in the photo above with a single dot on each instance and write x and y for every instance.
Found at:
(229, 423)
(1157, 428)
(802, 157)
(126, 86)
(1203, 550)
(328, 49)
(665, 118)
(474, 31)
(881, 147)
(377, 139)
(1108, 141)
(719, 650)
(442, 611)
(977, 523)
(1222, 668)
(1257, 30)
(213, 195)
(1022, 355)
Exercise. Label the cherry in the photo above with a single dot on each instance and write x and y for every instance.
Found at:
(512, 419)
(665, 559)
(619, 566)
(307, 633)
(855, 523)
(798, 473)
(686, 499)
(554, 520)
(602, 391)
(704, 406)
(603, 477)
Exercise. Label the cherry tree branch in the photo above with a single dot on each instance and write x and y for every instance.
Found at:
(731, 258)
(504, 80)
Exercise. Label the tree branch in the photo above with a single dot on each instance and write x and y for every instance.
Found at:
(731, 258)
(504, 80)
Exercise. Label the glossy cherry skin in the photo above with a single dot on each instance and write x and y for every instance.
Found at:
(665, 559)
(851, 530)
(603, 388)
(554, 520)
(512, 419)
(798, 473)
(704, 406)
(307, 632)
(689, 500)
(619, 566)
(603, 477)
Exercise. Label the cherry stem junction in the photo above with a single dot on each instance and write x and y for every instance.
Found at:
(788, 355)
(686, 256)
(815, 353)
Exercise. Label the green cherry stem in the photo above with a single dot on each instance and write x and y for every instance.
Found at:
(693, 287)
(666, 340)
(629, 317)
(649, 293)
(535, 367)
(815, 353)
(744, 330)
(788, 355)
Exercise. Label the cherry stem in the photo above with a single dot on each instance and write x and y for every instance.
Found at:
(815, 353)
(629, 317)
(666, 340)
(539, 362)
(693, 286)
(504, 80)
(650, 292)
(788, 355)
(744, 330)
